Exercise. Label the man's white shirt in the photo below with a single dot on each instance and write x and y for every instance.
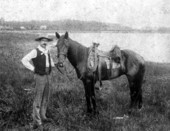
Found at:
(33, 54)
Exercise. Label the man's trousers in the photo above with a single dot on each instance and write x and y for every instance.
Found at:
(42, 95)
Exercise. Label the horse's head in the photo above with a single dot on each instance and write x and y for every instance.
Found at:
(62, 47)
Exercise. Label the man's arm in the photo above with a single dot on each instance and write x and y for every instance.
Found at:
(26, 60)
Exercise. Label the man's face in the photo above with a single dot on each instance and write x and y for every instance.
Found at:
(43, 43)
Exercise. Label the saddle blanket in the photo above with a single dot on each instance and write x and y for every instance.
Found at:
(113, 64)
(94, 60)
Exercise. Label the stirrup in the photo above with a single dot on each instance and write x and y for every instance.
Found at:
(100, 88)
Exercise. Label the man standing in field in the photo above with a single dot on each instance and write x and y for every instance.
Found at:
(42, 65)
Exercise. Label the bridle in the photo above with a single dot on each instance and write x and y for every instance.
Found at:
(61, 63)
(65, 75)
(64, 54)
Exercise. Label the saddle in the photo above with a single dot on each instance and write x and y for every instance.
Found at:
(113, 59)
(94, 56)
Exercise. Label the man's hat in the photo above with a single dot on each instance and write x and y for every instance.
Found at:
(43, 36)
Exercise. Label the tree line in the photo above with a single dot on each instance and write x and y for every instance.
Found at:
(72, 25)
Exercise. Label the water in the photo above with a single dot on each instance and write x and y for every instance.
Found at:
(152, 46)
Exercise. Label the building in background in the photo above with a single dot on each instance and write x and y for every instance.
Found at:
(43, 27)
(22, 28)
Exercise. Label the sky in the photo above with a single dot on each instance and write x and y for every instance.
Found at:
(134, 13)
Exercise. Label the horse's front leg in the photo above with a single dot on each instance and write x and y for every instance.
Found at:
(87, 95)
(93, 97)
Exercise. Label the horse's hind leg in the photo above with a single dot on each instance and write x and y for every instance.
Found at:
(139, 94)
(132, 92)
(136, 92)
(139, 83)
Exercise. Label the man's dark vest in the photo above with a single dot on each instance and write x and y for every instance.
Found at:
(40, 63)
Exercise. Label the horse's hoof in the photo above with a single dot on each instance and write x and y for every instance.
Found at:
(89, 115)
(89, 111)
(140, 106)
(131, 111)
(97, 88)
(96, 112)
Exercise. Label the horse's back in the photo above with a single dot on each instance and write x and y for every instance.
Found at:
(135, 64)
(134, 57)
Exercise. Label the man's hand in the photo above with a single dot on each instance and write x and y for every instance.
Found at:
(33, 69)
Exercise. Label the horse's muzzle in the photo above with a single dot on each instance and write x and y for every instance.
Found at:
(60, 67)
(60, 64)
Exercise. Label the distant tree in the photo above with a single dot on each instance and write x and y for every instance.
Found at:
(2, 21)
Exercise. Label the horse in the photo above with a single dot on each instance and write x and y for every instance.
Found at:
(127, 63)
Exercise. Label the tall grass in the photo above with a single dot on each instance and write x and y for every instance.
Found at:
(67, 105)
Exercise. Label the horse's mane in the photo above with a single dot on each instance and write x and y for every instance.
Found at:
(78, 50)
(77, 44)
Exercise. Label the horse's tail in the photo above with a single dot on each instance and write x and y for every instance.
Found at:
(141, 73)
(143, 68)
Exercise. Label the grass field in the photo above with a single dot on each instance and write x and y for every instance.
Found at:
(67, 104)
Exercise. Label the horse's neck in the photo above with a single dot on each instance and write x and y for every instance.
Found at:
(76, 53)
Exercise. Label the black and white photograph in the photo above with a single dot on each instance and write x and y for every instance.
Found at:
(93, 65)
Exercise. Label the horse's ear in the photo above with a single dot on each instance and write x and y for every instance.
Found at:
(57, 35)
(66, 35)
